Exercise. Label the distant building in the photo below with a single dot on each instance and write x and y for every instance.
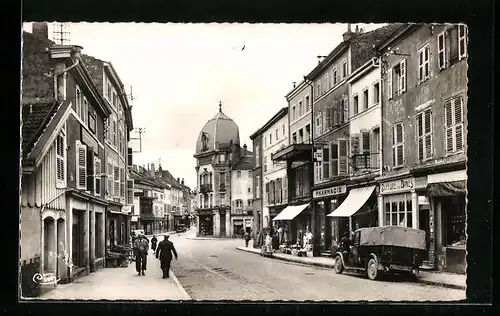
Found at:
(219, 156)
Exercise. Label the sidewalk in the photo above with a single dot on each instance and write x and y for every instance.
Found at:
(448, 280)
(122, 284)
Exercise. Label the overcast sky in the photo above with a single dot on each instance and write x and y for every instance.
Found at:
(180, 72)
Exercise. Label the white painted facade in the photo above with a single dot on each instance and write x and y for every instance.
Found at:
(208, 168)
(301, 95)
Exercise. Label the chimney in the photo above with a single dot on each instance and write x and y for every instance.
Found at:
(348, 35)
(244, 149)
(182, 181)
(153, 167)
(294, 84)
(41, 29)
(178, 180)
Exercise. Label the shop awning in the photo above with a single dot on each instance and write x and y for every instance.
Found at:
(447, 184)
(290, 212)
(353, 202)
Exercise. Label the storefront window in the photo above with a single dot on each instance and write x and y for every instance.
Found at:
(394, 214)
(387, 211)
(398, 210)
(409, 217)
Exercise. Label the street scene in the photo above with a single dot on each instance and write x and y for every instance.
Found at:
(265, 170)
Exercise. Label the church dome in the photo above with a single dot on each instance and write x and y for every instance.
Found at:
(218, 132)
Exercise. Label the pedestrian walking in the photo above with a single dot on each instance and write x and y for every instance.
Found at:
(154, 241)
(164, 253)
(247, 238)
(141, 248)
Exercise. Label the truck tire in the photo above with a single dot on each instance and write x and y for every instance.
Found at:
(372, 269)
(338, 266)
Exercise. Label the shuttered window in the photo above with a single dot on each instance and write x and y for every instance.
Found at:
(454, 124)
(402, 76)
(462, 42)
(343, 156)
(423, 63)
(326, 162)
(398, 145)
(285, 189)
(389, 84)
(334, 159)
(318, 172)
(97, 176)
(110, 192)
(81, 166)
(61, 159)
(424, 135)
(441, 48)
(116, 177)
(122, 183)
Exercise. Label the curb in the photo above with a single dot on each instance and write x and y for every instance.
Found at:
(423, 281)
(198, 238)
(179, 286)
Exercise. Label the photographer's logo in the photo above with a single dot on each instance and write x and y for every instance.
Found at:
(45, 279)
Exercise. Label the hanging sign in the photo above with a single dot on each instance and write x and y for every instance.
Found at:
(248, 223)
(318, 155)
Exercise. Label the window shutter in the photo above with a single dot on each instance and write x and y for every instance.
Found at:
(97, 176)
(285, 189)
(366, 142)
(110, 192)
(441, 51)
(326, 162)
(458, 108)
(402, 82)
(420, 135)
(122, 183)
(389, 83)
(355, 144)
(345, 110)
(343, 159)
(90, 169)
(448, 111)
(116, 176)
(462, 42)
(329, 115)
(420, 65)
(60, 166)
(428, 133)
(334, 159)
(426, 59)
(399, 133)
(81, 166)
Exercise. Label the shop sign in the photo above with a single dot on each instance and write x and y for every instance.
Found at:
(421, 183)
(45, 279)
(397, 186)
(318, 155)
(342, 189)
(248, 223)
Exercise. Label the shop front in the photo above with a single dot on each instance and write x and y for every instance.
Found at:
(295, 221)
(330, 228)
(446, 193)
(205, 223)
(354, 212)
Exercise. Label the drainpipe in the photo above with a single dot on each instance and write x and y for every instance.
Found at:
(381, 93)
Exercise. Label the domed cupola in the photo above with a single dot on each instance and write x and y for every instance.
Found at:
(218, 132)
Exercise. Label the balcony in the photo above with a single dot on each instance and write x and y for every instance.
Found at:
(222, 187)
(205, 188)
(365, 162)
(248, 210)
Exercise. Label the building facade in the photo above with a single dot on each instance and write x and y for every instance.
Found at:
(63, 151)
(257, 185)
(241, 220)
(424, 115)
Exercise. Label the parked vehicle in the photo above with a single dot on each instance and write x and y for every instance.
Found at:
(379, 250)
(181, 228)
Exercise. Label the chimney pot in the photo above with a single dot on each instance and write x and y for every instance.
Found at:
(178, 180)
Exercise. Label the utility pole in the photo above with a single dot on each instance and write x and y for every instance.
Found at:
(140, 130)
(61, 33)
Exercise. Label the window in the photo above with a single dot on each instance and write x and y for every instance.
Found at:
(326, 84)
(375, 148)
(265, 141)
(116, 177)
(97, 176)
(81, 166)
(293, 113)
(283, 132)
(92, 123)
(115, 132)
(365, 99)
(376, 93)
(270, 139)
(114, 99)
(122, 183)
(344, 69)
(110, 192)
(222, 158)
(257, 156)
(61, 159)
(249, 190)
(398, 145)
(423, 63)
(334, 159)
(294, 137)
(249, 173)
(441, 47)
(318, 89)
(222, 178)
(334, 76)
(276, 135)
(398, 210)
(301, 109)
(308, 105)
(454, 124)
(319, 127)
(84, 115)
(343, 156)
(424, 135)
(326, 162)
(301, 136)
(79, 102)
(109, 90)
(238, 174)
(462, 42)
(307, 136)
(222, 197)
(257, 186)
(355, 105)
(397, 79)
(452, 46)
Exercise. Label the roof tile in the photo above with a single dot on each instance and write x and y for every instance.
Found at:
(36, 116)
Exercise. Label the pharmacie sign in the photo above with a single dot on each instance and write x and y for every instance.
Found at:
(397, 186)
(341, 189)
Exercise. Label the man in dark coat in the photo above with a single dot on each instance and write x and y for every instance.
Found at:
(164, 253)
(154, 241)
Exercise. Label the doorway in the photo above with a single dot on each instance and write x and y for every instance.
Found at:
(49, 245)
(423, 224)
(61, 247)
(223, 224)
(77, 239)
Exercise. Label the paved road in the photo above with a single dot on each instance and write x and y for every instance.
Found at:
(215, 270)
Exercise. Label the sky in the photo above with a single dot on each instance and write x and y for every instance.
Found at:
(178, 73)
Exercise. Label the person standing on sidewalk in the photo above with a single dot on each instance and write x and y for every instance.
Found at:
(164, 253)
(247, 238)
(141, 248)
(154, 241)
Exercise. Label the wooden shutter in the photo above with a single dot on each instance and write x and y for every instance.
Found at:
(97, 176)
(462, 42)
(329, 124)
(402, 80)
(428, 133)
(441, 51)
(116, 178)
(420, 136)
(343, 158)
(81, 166)
(110, 192)
(366, 141)
(389, 84)
(421, 65)
(448, 119)
(345, 110)
(60, 166)
(122, 183)
(426, 60)
(90, 169)
(393, 136)
(400, 146)
(458, 113)
(355, 144)
(285, 189)
(334, 159)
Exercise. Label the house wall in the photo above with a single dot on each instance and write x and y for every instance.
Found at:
(257, 185)
(241, 189)
(299, 123)
(440, 86)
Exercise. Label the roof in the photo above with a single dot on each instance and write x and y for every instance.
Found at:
(245, 163)
(35, 118)
(400, 31)
(219, 131)
(280, 114)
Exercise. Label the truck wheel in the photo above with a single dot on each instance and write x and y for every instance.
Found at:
(339, 268)
(372, 269)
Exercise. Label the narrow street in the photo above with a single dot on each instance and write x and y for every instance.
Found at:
(215, 270)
